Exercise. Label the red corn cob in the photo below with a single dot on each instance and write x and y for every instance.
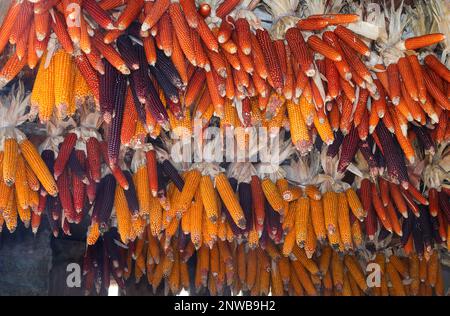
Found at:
(60, 29)
(85, 39)
(289, 82)
(332, 76)
(178, 60)
(182, 31)
(190, 11)
(93, 158)
(21, 23)
(150, 50)
(410, 202)
(414, 107)
(434, 91)
(312, 24)
(229, 47)
(356, 63)
(280, 49)
(258, 57)
(348, 89)
(349, 148)
(300, 51)
(433, 197)
(88, 73)
(65, 196)
(35, 222)
(394, 83)
(79, 192)
(418, 76)
(64, 153)
(95, 59)
(110, 54)
(407, 75)
(393, 219)
(165, 34)
(32, 58)
(323, 48)
(115, 170)
(225, 30)
(226, 7)
(157, 10)
(377, 204)
(218, 63)
(130, 12)
(216, 99)
(360, 106)
(98, 14)
(421, 41)
(242, 28)
(208, 38)
(246, 62)
(352, 40)
(366, 201)
(417, 195)
(439, 68)
(233, 60)
(338, 18)
(346, 113)
(384, 190)
(129, 120)
(11, 68)
(270, 55)
(152, 173)
(8, 23)
(111, 4)
(363, 127)
(342, 66)
(42, 22)
(21, 44)
(91, 189)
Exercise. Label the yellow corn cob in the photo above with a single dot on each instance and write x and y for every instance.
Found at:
(285, 271)
(399, 265)
(63, 85)
(330, 208)
(311, 240)
(356, 272)
(308, 263)
(355, 204)
(186, 221)
(318, 220)
(10, 213)
(272, 195)
(432, 270)
(196, 221)
(295, 283)
(230, 200)
(32, 180)
(42, 95)
(301, 220)
(289, 243)
(192, 181)
(337, 270)
(414, 274)
(344, 221)
(209, 199)
(24, 214)
(304, 278)
(299, 130)
(38, 166)
(81, 88)
(325, 259)
(123, 215)
(313, 192)
(397, 285)
(289, 219)
(21, 185)
(155, 216)
(142, 190)
(11, 151)
(276, 281)
(357, 235)
(282, 185)
(292, 194)
(346, 288)
(93, 234)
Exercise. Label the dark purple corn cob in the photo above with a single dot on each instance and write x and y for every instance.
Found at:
(407, 228)
(444, 205)
(434, 222)
(114, 132)
(170, 91)
(417, 236)
(395, 160)
(108, 240)
(107, 202)
(131, 195)
(76, 168)
(273, 218)
(365, 150)
(333, 149)
(128, 52)
(140, 107)
(183, 240)
(107, 88)
(173, 174)
(106, 270)
(49, 158)
(349, 148)
(427, 229)
(166, 66)
(154, 105)
(54, 211)
(425, 138)
(245, 199)
(381, 162)
(134, 30)
(100, 195)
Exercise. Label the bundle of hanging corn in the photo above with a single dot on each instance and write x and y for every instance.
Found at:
(358, 94)
(24, 176)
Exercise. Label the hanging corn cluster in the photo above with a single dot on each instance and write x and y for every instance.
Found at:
(358, 95)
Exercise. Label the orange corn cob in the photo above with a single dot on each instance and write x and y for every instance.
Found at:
(42, 22)
(300, 50)
(32, 58)
(439, 68)
(394, 83)
(207, 36)
(418, 76)
(421, 41)
(352, 40)
(11, 68)
(110, 54)
(434, 91)
(407, 75)
(130, 12)
(60, 29)
(165, 34)
(8, 23)
(182, 32)
(21, 23)
(338, 18)
(312, 24)
(152, 17)
(323, 48)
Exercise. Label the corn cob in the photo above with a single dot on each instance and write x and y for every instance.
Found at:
(344, 221)
(230, 200)
(413, 43)
(301, 220)
(271, 60)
